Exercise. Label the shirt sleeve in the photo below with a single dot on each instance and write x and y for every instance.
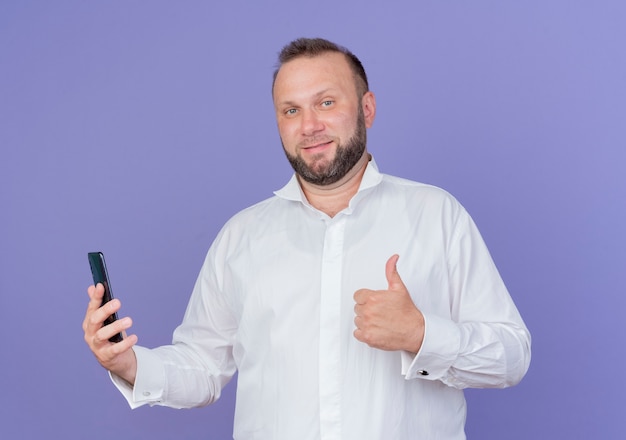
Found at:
(148, 388)
(192, 371)
(437, 354)
(483, 342)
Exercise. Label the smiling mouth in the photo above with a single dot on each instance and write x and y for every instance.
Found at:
(317, 146)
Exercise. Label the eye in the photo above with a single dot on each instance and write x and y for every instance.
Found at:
(327, 103)
(290, 111)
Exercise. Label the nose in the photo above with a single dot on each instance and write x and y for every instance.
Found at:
(311, 123)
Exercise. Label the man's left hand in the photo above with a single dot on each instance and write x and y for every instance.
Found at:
(388, 319)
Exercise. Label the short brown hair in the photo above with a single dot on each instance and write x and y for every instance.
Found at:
(312, 47)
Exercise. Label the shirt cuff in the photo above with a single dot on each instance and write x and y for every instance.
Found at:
(439, 350)
(149, 382)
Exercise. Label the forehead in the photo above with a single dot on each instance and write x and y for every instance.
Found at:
(309, 75)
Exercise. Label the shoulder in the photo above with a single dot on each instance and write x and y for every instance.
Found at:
(257, 213)
(416, 191)
(247, 225)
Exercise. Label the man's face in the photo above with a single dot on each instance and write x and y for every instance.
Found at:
(321, 121)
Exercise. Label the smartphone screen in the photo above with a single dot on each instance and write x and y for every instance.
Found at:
(100, 275)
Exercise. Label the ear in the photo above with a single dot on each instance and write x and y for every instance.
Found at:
(369, 108)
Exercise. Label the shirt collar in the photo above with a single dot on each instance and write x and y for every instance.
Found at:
(293, 191)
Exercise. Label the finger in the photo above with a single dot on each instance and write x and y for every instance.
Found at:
(95, 300)
(95, 296)
(361, 295)
(94, 319)
(124, 344)
(103, 335)
(358, 334)
(357, 308)
(393, 277)
(108, 355)
(120, 347)
(364, 336)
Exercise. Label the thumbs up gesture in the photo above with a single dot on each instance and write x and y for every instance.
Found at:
(388, 319)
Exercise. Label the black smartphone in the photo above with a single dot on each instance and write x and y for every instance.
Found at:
(100, 275)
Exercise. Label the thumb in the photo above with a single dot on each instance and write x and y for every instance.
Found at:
(393, 277)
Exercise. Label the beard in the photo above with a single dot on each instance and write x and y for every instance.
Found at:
(324, 172)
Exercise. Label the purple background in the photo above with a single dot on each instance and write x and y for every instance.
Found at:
(139, 128)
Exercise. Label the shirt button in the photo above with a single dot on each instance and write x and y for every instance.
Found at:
(423, 372)
(146, 393)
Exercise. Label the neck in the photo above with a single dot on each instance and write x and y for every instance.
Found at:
(331, 199)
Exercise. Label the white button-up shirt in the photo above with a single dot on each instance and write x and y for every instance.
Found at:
(274, 300)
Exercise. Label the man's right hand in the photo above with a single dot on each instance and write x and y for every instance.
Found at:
(118, 358)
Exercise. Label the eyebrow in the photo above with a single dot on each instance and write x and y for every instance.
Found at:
(317, 95)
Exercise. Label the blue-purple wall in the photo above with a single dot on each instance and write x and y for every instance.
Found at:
(138, 128)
